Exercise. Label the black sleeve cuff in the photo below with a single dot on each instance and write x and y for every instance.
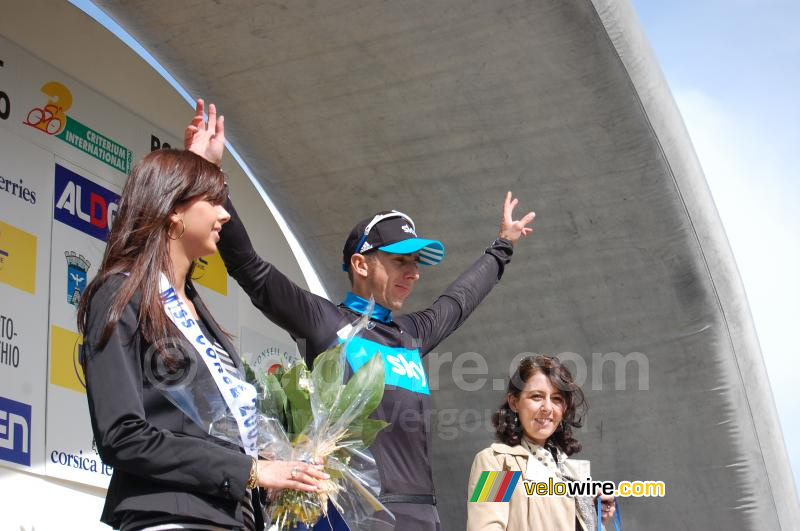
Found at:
(501, 249)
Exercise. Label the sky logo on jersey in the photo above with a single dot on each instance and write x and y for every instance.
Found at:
(495, 486)
(403, 367)
(15, 431)
(209, 271)
(83, 204)
(65, 367)
(17, 258)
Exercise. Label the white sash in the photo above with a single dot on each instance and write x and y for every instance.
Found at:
(239, 395)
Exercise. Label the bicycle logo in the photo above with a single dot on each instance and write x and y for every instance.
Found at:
(46, 119)
(51, 118)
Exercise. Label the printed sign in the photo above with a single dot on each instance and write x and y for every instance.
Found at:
(15, 431)
(17, 258)
(209, 271)
(52, 119)
(65, 368)
(82, 204)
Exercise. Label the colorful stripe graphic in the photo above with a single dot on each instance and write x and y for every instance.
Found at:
(495, 486)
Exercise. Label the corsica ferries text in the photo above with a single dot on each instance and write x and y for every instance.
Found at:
(81, 462)
(83, 204)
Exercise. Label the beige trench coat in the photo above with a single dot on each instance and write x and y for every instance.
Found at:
(551, 513)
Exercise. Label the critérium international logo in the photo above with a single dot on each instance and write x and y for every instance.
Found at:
(52, 119)
(495, 486)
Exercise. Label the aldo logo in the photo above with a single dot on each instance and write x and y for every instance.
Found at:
(84, 205)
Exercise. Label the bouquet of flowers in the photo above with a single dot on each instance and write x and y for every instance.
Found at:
(313, 416)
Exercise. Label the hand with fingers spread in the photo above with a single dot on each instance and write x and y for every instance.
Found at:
(510, 229)
(206, 139)
(290, 475)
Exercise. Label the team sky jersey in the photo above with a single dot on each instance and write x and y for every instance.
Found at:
(402, 450)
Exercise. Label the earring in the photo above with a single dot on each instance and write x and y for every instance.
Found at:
(179, 236)
(515, 420)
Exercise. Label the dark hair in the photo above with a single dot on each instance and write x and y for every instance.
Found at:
(138, 241)
(505, 420)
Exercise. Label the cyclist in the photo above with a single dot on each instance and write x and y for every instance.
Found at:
(381, 256)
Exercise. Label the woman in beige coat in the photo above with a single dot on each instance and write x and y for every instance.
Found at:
(534, 432)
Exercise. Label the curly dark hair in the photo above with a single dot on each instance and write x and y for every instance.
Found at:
(505, 420)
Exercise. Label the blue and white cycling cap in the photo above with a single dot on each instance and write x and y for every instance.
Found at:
(390, 231)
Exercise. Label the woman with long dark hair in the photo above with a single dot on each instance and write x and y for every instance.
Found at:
(146, 332)
(534, 430)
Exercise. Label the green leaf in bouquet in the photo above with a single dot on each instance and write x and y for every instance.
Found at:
(365, 430)
(365, 386)
(275, 403)
(327, 376)
(249, 374)
(296, 384)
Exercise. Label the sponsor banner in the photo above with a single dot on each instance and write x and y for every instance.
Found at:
(17, 258)
(83, 210)
(69, 119)
(209, 271)
(98, 146)
(83, 204)
(51, 118)
(26, 189)
(65, 367)
(15, 432)
(47, 116)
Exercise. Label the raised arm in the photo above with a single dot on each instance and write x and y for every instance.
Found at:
(461, 297)
(283, 302)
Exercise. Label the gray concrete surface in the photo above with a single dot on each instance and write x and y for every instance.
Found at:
(437, 108)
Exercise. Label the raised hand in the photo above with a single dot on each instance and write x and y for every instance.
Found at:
(206, 139)
(510, 229)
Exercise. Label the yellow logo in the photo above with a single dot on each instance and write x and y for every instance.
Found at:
(65, 369)
(52, 117)
(210, 272)
(17, 258)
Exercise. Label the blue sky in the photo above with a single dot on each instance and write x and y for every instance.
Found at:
(734, 69)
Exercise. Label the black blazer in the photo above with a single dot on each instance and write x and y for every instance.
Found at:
(162, 460)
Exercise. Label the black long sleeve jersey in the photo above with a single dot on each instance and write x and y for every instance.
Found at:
(402, 450)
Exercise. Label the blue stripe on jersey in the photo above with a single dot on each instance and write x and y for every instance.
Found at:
(403, 367)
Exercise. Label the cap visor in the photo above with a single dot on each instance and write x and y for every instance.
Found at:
(430, 252)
